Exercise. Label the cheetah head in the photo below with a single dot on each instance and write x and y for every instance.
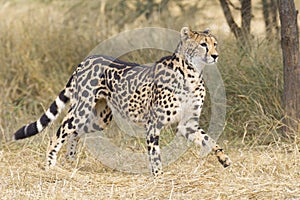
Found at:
(197, 47)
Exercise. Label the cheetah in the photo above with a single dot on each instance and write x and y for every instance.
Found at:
(169, 92)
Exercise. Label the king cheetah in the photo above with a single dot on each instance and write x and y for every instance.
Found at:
(171, 91)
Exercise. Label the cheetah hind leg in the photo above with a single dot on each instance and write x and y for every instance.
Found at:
(72, 147)
(65, 130)
(99, 119)
(208, 144)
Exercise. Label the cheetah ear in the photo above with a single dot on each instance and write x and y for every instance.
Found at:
(185, 33)
(206, 31)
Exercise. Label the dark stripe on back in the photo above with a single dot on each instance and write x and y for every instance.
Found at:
(169, 57)
(69, 82)
(112, 62)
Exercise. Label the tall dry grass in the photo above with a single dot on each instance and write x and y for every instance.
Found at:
(43, 41)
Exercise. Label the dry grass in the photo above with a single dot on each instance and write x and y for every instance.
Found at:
(40, 44)
(265, 172)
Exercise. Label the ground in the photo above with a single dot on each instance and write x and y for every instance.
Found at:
(261, 172)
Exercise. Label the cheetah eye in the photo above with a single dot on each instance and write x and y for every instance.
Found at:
(203, 44)
(215, 44)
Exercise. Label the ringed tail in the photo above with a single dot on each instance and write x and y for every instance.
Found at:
(47, 118)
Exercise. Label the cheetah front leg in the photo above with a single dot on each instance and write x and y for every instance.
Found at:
(152, 140)
(200, 138)
(192, 132)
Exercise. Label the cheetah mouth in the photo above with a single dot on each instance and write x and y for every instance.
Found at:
(209, 62)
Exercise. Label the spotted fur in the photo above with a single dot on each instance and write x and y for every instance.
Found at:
(171, 91)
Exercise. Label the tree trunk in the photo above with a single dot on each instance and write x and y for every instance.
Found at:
(267, 18)
(241, 33)
(235, 29)
(291, 64)
(270, 18)
(246, 13)
(274, 21)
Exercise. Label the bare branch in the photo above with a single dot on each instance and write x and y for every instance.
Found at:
(233, 6)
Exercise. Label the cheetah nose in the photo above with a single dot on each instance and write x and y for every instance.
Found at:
(215, 56)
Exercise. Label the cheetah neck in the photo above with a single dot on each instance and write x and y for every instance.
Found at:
(187, 66)
(193, 62)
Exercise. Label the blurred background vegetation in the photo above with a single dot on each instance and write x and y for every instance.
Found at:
(43, 40)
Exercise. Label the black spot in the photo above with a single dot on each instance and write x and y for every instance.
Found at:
(110, 117)
(85, 93)
(206, 137)
(87, 62)
(70, 123)
(81, 113)
(88, 77)
(153, 152)
(102, 82)
(159, 125)
(58, 132)
(80, 125)
(156, 140)
(94, 82)
(96, 68)
(85, 128)
(107, 118)
(116, 76)
(96, 127)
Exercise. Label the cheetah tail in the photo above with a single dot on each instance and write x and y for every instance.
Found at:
(49, 116)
